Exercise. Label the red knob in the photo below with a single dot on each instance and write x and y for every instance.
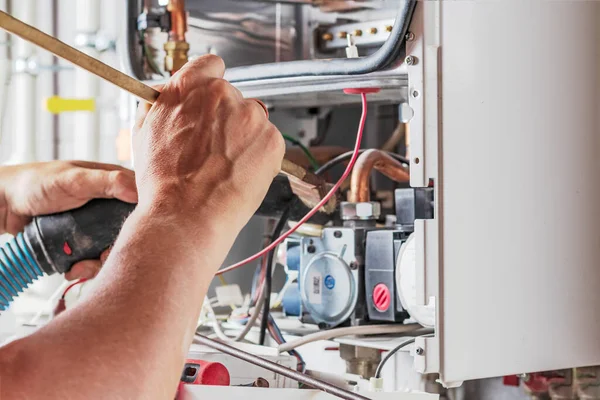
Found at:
(382, 297)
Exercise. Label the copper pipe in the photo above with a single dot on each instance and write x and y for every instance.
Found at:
(369, 160)
(176, 47)
(178, 20)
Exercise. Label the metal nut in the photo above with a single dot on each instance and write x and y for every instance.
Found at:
(360, 211)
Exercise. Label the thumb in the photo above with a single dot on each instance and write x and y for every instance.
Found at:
(119, 184)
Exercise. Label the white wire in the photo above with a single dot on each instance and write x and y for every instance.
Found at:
(351, 330)
(242, 335)
(45, 308)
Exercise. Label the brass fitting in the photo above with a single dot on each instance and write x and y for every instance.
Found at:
(177, 55)
(328, 37)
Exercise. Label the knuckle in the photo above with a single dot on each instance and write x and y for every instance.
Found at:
(219, 86)
(248, 111)
(213, 59)
(277, 144)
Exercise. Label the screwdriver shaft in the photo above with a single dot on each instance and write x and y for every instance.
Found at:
(79, 58)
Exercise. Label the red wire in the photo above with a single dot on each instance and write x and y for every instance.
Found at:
(323, 201)
(72, 285)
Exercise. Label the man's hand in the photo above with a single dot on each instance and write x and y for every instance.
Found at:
(202, 152)
(205, 158)
(44, 188)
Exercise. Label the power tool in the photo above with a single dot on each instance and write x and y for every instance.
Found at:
(54, 243)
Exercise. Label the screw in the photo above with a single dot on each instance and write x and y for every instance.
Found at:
(410, 60)
(373, 31)
(353, 265)
(419, 351)
(337, 234)
(328, 37)
(311, 249)
(388, 28)
(415, 93)
(357, 32)
(342, 34)
(409, 37)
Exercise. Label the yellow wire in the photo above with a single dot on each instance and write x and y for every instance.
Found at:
(224, 283)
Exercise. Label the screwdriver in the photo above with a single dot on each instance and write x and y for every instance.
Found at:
(306, 185)
(54, 243)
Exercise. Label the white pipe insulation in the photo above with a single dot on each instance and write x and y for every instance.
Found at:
(24, 93)
(5, 70)
(86, 124)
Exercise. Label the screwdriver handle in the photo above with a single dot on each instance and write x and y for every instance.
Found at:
(59, 241)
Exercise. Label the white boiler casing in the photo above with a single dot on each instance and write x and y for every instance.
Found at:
(507, 122)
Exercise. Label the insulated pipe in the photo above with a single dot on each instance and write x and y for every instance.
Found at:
(86, 129)
(5, 69)
(369, 160)
(24, 91)
(383, 58)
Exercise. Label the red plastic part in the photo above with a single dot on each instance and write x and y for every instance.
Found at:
(361, 90)
(382, 297)
(207, 373)
(511, 380)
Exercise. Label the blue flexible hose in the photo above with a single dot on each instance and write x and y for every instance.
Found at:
(18, 269)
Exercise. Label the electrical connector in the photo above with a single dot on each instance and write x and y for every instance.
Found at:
(376, 384)
(351, 50)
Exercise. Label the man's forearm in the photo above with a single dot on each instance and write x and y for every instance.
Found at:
(140, 319)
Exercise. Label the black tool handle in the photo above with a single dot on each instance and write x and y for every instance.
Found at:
(60, 240)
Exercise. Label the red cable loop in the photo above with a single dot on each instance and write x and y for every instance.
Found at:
(323, 201)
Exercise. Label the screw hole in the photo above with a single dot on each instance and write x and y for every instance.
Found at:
(417, 160)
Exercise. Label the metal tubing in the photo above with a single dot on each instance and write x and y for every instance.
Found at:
(278, 369)
(178, 20)
(369, 160)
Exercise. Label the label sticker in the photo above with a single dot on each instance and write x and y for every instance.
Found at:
(314, 290)
(329, 282)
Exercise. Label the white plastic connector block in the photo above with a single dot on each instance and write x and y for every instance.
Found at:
(351, 50)
(376, 384)
(229, 295)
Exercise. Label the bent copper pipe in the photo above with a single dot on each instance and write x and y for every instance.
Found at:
(178, 20)
(369, 160)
